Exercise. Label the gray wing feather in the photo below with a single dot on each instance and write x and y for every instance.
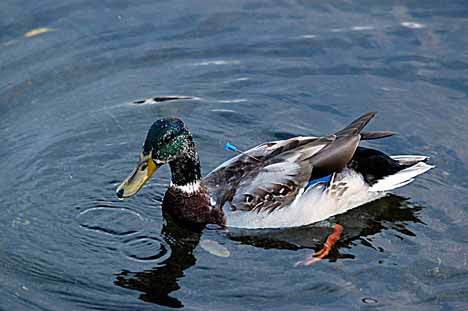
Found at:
(272, 174)
(273, 181)
(273, 186)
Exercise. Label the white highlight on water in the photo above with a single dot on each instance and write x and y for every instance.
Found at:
(214, 248)
(217, 62)
(412, 25)
(308, 36)
(233, 101)
(223, 110)
(361, 28)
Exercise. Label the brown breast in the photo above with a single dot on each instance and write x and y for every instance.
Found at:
(192, 207)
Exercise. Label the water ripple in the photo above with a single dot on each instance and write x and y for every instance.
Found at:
(145, 248)
(113, 221)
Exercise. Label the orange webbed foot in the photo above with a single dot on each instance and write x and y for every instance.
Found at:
(331, 240)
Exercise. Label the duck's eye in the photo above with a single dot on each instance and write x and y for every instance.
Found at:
(167, 139)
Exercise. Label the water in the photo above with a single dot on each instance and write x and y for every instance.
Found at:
(74, 113)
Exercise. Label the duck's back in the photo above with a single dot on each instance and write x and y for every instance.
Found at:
(367, 177)
(302, 180)
(271, 176)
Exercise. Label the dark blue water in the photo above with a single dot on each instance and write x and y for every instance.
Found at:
(252, 71)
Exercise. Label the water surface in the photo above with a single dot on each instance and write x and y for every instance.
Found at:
(78, 94)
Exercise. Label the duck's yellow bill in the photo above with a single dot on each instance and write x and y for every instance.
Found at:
(136, 180)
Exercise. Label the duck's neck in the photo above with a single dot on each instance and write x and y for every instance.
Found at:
(187, 199)
(185, 170)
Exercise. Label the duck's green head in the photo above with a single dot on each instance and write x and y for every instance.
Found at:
(167, 140)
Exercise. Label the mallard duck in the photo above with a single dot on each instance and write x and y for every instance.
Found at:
(285, 183)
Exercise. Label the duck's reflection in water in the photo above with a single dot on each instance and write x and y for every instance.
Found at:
(156, 284)
(390, 212)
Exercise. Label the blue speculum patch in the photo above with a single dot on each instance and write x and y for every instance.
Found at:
(321, 180)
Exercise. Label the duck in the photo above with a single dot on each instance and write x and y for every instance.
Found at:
(278, 184)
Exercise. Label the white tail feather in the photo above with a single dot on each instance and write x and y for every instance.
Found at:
(402, 177)
(409, 159)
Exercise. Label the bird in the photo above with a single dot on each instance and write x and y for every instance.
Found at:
(279, 184)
